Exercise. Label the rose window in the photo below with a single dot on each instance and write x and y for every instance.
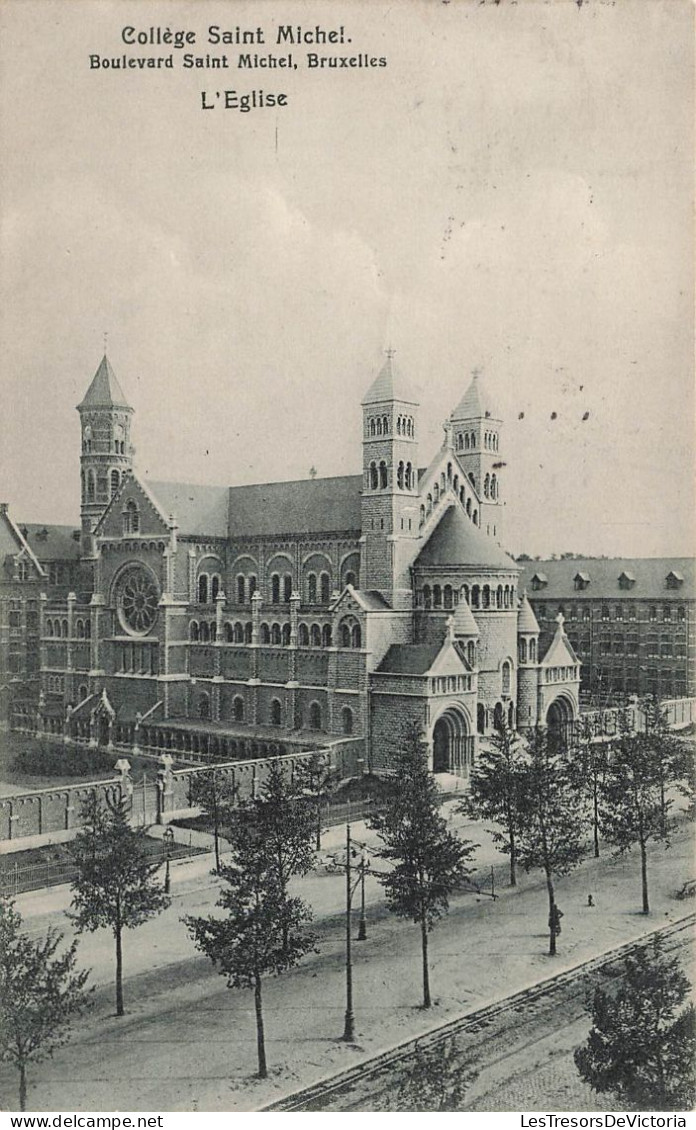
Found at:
(137, 598)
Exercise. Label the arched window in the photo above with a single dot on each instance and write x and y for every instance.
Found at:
(265, 633)
(82, 692)
(248, 632)
(241, 589)
(475, 596)
(312, 588)
(253, 585)
(379, 425)
(422, 515)
(356, 636)
(204, 707)
(522, 650)
(481, 718)
(400, 475)
(385, 425)
(214, 587)
(275, 589)
(447, 596)
(437, 596)
(49, 627)
(92, 489)
(466, 441)
(229, 632)
(314, 716)
(373, 476)
(79, 630)
(532, 651)
(115, 481)
(303, 635)
(204, 633)
(238, 708)
(471, 653)
(486, 597)
(325, 588)
(347, 719)
(499, 596)
(213, 631)
(131, 517)
(276, 713)
(193, 631)
(88, 630)
(443, 483)
(430, 503)
(373, 426)
(287, 588)
(507, 675)
(65, 629)
(326, 636)
(474, 517)
(351, 579)
(494, 486)
(468, 506)
(455, 484)
(315, 635)
(238, 633)
(344, 632)
(427, 596)
(383, 475)
(203, 588)
(275, 634)
(87, 444)
(436, 494)
(285, 635)
(409, 477)
(465, 593)
(486, 486)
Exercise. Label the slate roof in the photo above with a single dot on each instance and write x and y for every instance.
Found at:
(464, 622)
(409, 659)
(104, 391)
(198, 509)
(650, 578)
(299, 507)
(475, 403)
(457, 541)
(372, 600)
(52, 543)
(527, 621)
(560, 651)
(390, 384)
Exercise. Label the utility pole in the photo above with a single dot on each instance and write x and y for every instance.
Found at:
(349, 1029)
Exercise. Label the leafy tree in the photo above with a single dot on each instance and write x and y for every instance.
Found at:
(115, 885)
(634, 809)
(286, 824)
(264, 932)
(40, 993)
(429, 861)
(494, 791)
(214, 791)
(640, 1048)
(665, 751)
(319, 778)
(685, 771)
(551, 834)
(436, 1079)
(587, 767)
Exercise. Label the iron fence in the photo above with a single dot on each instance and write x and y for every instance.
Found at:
(17, 879)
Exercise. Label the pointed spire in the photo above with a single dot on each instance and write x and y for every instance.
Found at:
(526, 620)
(104, 391)
(464, 623)
(475, 404)
(390, 384)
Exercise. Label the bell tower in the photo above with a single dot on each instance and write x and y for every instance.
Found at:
(476, 428)
(105, 420)
(390, 484)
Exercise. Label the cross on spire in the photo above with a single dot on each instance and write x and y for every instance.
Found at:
(476, 372)
(390, 352)
(106, 340)
(560, 620)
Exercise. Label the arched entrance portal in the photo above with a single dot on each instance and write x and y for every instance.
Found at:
(559, 718)
(452, 744)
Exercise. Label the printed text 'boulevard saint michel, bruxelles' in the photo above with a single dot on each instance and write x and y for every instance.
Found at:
(185, 49)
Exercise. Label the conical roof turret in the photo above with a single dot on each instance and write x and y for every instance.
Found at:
(476, 403)
(464, 623)
(104, 391)
(390, 384)
(526, 620)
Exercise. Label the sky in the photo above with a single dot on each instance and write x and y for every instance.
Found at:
(512, 192)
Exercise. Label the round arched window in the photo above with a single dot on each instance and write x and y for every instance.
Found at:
(137, 597)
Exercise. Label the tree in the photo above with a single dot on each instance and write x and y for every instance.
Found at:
(640, 1048)
(115, 885)
(214, 791)
(319, 777)
(264, 932)
(494, 790)
(286, 824)
(436, 1079)
(40, 993)
(587, 767)
(634, 809)
(551, 833)
(429, 861)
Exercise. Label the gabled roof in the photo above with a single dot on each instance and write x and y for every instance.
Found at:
(299, 507)
(475, 403)
(104, 391)
(650, 575)
(53, 543)
(390, 384)
(560, 652)
(14, 542)
(457, 541)
(423, 659)
(197, 509)
(526, 620)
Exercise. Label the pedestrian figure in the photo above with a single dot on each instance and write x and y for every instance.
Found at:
(590, 900)
(555, 920)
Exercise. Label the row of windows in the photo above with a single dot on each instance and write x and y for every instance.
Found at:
(314, 635)
(490, 486)
(58, 629)
(561, 674)
(317, 587)
(527, 652)
(379, 426)
(55, 684)
(208, 588)
(378, 476)
(117, 441)
(449, 684)
(98, 486)
(477, 596)
(275, 713)
(439, 489)
(669, 613)
(139, 659)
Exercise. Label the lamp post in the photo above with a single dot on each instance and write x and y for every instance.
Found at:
(351, 887)
(168, 838)
(362, 927)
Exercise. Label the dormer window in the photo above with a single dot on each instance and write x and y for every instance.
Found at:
(674, 579)
(626, 580)
(539, 581)
(581, 581)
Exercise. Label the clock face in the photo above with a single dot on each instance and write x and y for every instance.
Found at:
(137, 597)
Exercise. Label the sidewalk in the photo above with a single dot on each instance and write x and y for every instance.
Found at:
(188, 1043)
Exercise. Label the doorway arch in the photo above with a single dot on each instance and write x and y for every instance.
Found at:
(452, 743)
(559, 718)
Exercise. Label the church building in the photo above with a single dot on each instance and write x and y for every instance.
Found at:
(233, 621)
